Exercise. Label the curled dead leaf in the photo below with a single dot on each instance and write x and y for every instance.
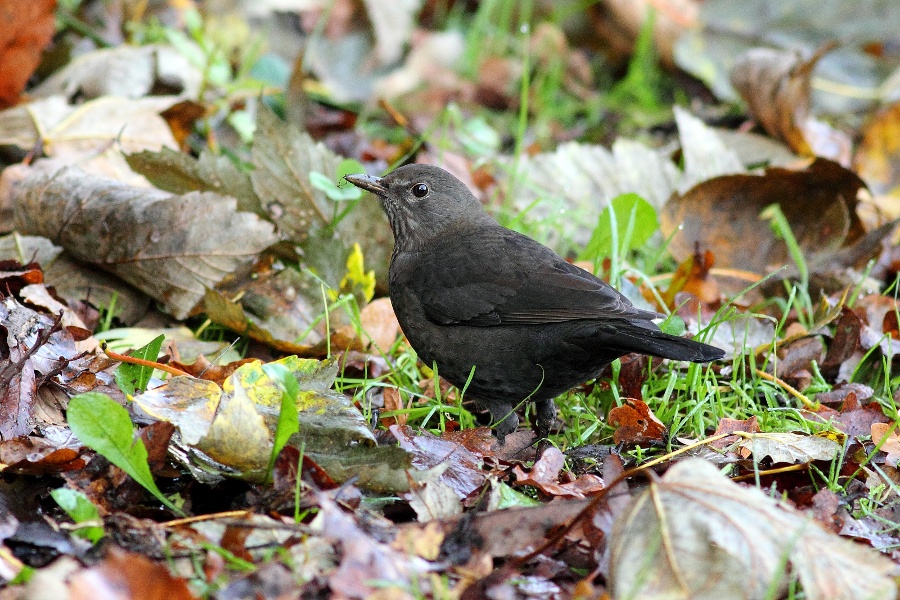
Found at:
(776, 86)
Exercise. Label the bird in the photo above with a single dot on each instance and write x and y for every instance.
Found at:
(502, 316)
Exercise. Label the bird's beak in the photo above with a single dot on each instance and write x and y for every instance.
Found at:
(370, 183)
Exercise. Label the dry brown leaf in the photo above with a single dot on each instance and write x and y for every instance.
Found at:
(727, 425)
(124, 574)
(618, 24)
(94, 134)
(379, 326)
(26, 27)
(776, 86)
(889, 441)
(581, 179)
(722, 216)
(392, 24)
(877, 161)
(695, 534)
(392, 402)
(635, 423)
(171, 247)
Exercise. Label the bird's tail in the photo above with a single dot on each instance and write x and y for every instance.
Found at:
(648, 339)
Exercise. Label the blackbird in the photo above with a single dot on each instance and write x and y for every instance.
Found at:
(469, 293)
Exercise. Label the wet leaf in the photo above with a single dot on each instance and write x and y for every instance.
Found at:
(231, 430)
(545, 475)
(179, 173)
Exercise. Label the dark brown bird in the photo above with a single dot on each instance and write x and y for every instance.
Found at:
(471, 293)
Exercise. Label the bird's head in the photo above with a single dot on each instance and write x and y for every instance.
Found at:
(424, 203)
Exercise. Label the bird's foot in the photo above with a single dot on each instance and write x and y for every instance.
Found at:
(504, 420)
(545, 417)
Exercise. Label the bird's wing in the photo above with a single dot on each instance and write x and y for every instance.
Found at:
(501, 277)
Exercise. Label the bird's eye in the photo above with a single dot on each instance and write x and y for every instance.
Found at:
(420, 190)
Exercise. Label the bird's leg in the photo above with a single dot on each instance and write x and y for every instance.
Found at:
(545, 417)
(504, 419)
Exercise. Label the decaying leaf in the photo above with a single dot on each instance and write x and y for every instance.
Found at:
(125, 71)
(461, 470)
(35, 346)
(130, 574)
(93, 134)
(26, 27)
(230, 428)
(885, 436)
(728, 28)
(877, 161)
(545, 475)
(171, 247)
(696, 534)
(789, 448)
(581, 179)
(776, 85)
(635, 423)
(279, 188)
(722, 215)
(179, 173)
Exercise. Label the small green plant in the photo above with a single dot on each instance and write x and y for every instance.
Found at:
(626, 224)
(105, 427)
(81, 510)
(288, 420)
(133, 378)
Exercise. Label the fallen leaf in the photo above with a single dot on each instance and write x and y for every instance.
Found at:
(172, 247)
(124, 574)
(363, 560)
(727, 425)
(393, 402)
(125, 71)
(461, 468)
(790, 448)
(580, 179)
(26, 27)
(722, 215)
(888, 440)
(545, 475)
(635, 423)
(776, 85)
(696, 534)
(877, 161)
(94, 134)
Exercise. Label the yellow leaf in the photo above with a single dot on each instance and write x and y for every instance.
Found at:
(357, 281)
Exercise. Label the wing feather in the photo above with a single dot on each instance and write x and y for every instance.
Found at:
(502, 277)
